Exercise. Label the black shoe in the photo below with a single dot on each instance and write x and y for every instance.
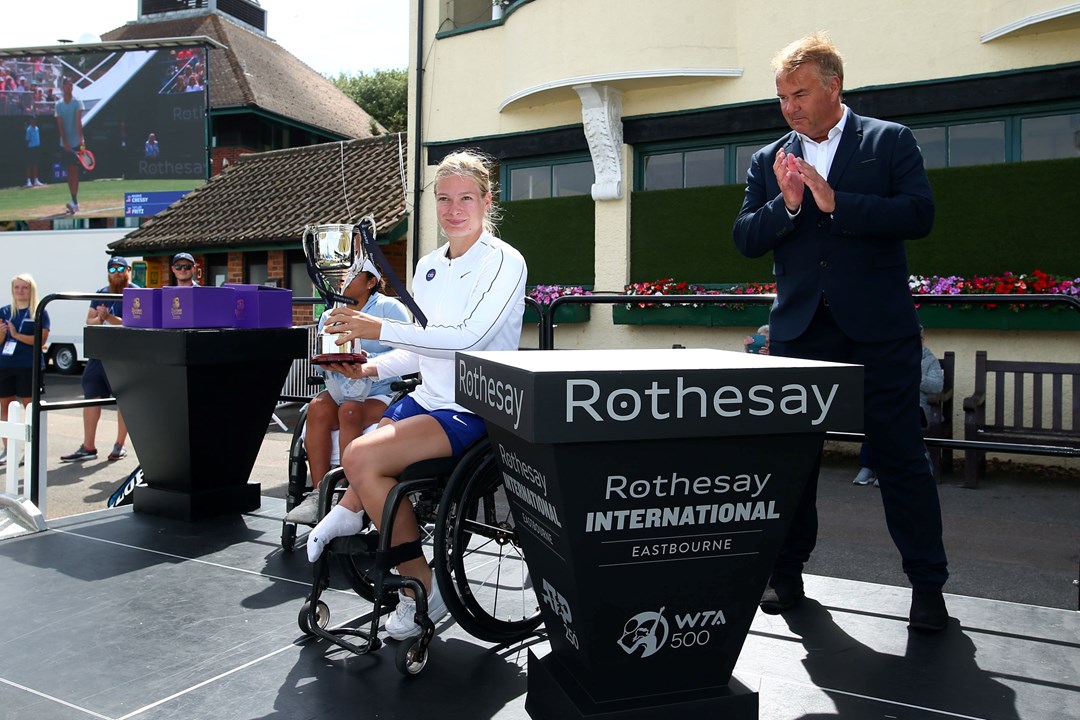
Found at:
(928, 611)
(782, 593)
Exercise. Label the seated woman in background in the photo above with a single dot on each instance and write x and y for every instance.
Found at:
(348, 405)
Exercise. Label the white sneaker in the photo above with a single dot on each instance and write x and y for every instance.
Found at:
(307, 512)
(401, 624)
(72, 208)
(865, 476)
(38, 183)
(29, 184)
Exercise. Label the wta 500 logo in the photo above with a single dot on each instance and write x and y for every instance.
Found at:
(649, 631)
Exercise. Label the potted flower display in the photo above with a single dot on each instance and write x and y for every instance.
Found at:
(654, 311)
(565, 313)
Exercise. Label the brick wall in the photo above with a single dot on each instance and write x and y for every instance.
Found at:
(223, 156)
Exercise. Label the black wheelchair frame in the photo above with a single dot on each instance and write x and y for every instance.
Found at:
(460, 505)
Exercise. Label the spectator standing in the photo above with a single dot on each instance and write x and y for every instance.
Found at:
(834, 201)
(183, 268)
(95, 384)
(69, 112)
(17, 341)
(33, 152)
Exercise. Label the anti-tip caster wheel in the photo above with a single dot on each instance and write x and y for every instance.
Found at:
(322, 617)
(288, 537)
(411, 660)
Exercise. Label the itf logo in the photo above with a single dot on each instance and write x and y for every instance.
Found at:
(647, 631)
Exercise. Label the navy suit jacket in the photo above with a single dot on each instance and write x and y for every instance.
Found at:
(856, 256)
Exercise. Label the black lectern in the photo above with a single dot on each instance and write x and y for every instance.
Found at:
(196, 403)
(651, 490)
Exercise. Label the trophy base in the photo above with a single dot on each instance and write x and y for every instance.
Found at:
(338, 358)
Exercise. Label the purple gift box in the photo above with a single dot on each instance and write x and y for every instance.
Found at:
(142, 307)
(198, 307)
(261, 306)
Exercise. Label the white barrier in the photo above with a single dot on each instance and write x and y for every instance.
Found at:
(16, 430)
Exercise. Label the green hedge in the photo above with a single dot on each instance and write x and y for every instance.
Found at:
(686, 235)
(556, 236)
(990, 218)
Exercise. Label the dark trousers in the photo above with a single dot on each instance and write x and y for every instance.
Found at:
(893, 432)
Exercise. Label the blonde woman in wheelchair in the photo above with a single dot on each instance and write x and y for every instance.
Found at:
(472, 289)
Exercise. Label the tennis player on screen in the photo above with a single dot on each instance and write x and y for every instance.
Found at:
(69, 112)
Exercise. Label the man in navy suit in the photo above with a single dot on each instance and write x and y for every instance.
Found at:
(834, 201)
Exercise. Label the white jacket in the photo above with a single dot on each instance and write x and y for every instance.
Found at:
(474, 302)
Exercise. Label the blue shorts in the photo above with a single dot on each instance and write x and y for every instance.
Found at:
(94, 382)
(462, 428)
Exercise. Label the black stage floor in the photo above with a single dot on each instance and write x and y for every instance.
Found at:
(116, 615)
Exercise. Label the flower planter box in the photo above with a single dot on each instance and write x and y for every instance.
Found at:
(972, 317)
(564, 314)
(703, 315)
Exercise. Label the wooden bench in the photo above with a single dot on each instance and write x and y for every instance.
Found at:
(1031, 403)
(939, 417)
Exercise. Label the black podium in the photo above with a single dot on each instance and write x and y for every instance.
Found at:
(651, 490)
(197, 404)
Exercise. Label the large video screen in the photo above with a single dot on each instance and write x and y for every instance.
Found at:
(141, 115)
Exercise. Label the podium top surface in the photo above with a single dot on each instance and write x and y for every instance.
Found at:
(557, 396)
(202, 346)
(643, 360)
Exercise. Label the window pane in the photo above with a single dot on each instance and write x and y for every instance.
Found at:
(297, 278)
(217, 271)
(977, 144)
(743, 153)
(932, 143)
(1047, 138)
(255, 263)
(704, 167)
(572, 179)
(530, 183)
(663, 172)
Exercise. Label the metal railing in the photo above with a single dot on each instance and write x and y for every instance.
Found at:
(546, 341)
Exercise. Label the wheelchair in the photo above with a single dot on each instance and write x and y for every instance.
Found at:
(462, 512)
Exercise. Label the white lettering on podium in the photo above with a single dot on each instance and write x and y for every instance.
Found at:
(679, 516)
(497, 394)
(621, 487)
(584, 401)
(522, 468)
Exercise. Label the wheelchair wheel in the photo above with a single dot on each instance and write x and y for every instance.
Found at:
(479, 563)
(288, 536)
(322, 617)
(410, 659)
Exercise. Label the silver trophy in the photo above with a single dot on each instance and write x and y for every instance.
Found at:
(331, 251)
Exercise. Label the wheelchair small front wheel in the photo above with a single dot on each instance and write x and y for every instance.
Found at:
(322, 617)
(411, 659)
(288, 536)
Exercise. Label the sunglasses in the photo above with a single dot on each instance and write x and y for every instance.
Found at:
(116, 269)
(183, 267)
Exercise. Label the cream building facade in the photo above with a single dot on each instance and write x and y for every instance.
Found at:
(613, 98)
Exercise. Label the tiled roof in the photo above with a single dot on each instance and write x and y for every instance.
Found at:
(268, 198)
(256, 71)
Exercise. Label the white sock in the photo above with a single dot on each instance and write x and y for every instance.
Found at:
(338, 522)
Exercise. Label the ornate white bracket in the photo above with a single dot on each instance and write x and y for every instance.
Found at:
(601, 111)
